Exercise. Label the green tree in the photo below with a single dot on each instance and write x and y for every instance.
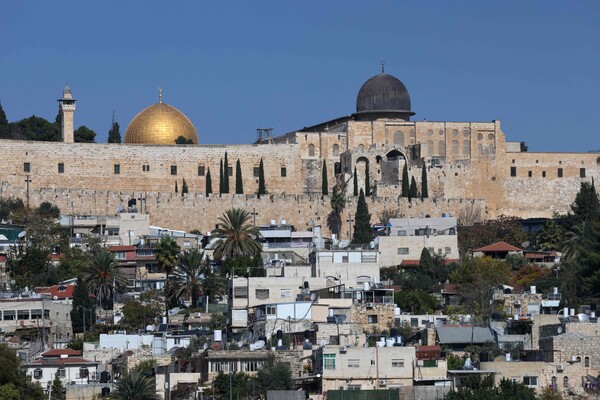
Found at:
(274, 375)
(586, 205)
(221, 178)
(367, 180)
(413, 192)
(183, 140)
(48, 210)
(58, 390)
(208, 183)
(226, 174)
(424, 186)
(104, 277)
(166, 253)
(334, 219)
(184, 187)
(588, 260)
(82, 305)
(138, 314)
(363, 233)
(186, 279)
(239, 184)
(238, 236)
(135, 385)
(355, 182)
(501, 229)
(12, 377)
(324, 183)
(551, 236)
(523, 147)
(476, 279)
(416, 301)
(236, 381)
(217, 322)
(83, 134)
(9, 392)
(36, 128)
(114, 134)
(32, 268)
(405, 182)
(261, 179)
(4, 127)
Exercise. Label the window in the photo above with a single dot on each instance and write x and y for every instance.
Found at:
(466, 148)
(37, 373)
(36, 314)
(372, 319)
(146, 168)
(335, 151)
(448, 250)
(353, 363)
(285, 293)
(431, 250)
(543, 174)
(455, 148)
(329, 361)
(397, 363)
(230, 171)
(344, 259)
(531, 381)
(85, 373)
(560, 172)
(354, 387)
(414, 322)
(9, 315)
(442, 148)
(566, 382)
(61, 373)
(173, 169)
(402, 233)
(26, 167)
(399, 139)
(116, 169)
(513, 171)
(311, 150)
(271, 310)
(240, 292)
(22, 314)
(402, 250)
(256, 172)
(586, 362)
(283, 172)
(452, 231)
(201, 170)
(529, 174)
(582, 172)
(262, 294)
(430, 363)
(61, 168)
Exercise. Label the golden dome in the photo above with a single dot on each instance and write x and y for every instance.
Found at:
(159, 124)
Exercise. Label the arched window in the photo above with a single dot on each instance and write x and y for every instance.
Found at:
(430, 147)
(361, 147)
(578, 359)
(311, 150)
(480, 149)
(566, 382)
(586, 362)
(455, 148)
(336, 150)
(399, 139)
(454, 133)
(378, 159)
(467, 148)
(442, 148)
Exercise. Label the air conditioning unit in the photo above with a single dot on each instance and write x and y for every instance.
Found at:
(517, 302)
(382, 382)
(343, 349)
(560, 368)
(369, 305)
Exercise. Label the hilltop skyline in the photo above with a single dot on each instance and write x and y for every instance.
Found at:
(234, 68)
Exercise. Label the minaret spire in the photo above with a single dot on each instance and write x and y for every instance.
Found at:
(383, 66)
(159, 94)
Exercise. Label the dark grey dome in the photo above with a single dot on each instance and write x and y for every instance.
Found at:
(383, 94)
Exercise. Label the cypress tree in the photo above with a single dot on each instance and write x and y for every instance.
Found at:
(239, 186)
(81, 297)
(424, 186)
(208, 182)
(355, 182)
(221, 176)
(261, 179)
(324, 187)
(3, 123)
(363, 233)
(405, 182)
(226, 175)
(367, 181)
(184, 187)
(114, 135)
(57, 392)
(413, 192)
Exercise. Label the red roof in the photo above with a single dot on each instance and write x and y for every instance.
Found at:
(121, 248)
(60, 352)
(63, 361)
(498, 247)
(410, 262)
(56, 257)
(3, 258)
(58, 292)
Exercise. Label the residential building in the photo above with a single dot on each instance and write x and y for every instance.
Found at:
(67, 364)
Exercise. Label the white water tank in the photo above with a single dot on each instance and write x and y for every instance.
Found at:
(397, 311)
(366, 285)
(218, 335)
(389, 342)
(532, 289)
(507, 357)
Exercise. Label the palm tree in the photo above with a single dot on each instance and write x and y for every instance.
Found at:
(575, 241)
(334, 219)
(135, 386)
(187, 277)
(166, 256)
(103, 276)
(239, 237)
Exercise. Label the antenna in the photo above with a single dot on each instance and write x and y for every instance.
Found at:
(263, 134)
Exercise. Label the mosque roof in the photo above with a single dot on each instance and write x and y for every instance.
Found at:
(383, 93)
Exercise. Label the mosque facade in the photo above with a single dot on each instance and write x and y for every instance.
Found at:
(472, 171)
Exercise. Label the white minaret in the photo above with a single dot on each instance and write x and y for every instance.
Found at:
(67, 113)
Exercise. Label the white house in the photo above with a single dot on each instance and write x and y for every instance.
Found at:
(67, 364)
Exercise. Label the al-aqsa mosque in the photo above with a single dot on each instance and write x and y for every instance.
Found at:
(472, 171)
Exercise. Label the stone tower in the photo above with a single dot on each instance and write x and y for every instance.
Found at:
(67, 111)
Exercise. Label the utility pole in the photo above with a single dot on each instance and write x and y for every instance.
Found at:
(350, 221)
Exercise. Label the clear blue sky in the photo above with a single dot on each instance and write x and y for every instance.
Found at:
(234, 66)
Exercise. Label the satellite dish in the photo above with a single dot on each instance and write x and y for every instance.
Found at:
(150, 328)
(22, 234)
(559, 330)
(240, 343)
(313, 297)
(340, 318)
(258, 345)
(525, 244)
